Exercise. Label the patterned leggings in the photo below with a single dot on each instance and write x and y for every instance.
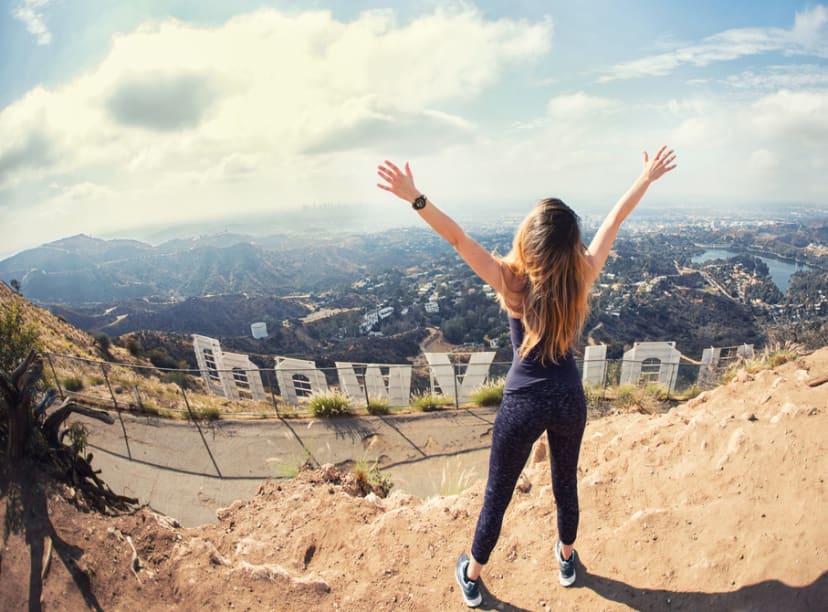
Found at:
(522, 418)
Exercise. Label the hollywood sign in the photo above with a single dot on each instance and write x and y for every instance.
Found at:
(234, 376)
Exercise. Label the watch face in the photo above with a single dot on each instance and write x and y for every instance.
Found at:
(419, 203)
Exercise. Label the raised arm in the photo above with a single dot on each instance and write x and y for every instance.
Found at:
(401, 184)
(601, 244)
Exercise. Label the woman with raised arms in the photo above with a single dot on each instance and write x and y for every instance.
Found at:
(543, 284)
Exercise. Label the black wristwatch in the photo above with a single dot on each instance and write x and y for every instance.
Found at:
(419, 202)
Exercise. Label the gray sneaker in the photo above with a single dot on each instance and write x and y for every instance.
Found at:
(567, 576)
(469, 588)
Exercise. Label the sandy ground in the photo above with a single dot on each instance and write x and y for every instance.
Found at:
(720, 504)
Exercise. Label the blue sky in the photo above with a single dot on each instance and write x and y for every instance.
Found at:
(119, 116)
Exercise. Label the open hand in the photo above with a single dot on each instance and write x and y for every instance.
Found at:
(660, 165)
(400, 183)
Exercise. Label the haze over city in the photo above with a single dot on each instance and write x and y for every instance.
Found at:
(119, 120)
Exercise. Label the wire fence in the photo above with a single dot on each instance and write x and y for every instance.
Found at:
(172, 419)
(288, 391)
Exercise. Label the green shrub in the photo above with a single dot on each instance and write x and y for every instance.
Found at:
(177, 378)
(691, 392)
(657, 391)
(428, 402)
(595, 399)
(378, 406)
(329, 404)
(147, 407)
(17, 337)
(490, 394)
(73, 383)
(210, 413)
(161, 359)
(104, 342)
(626, 396)
(134, 346)
(371, 479)
(77, 438)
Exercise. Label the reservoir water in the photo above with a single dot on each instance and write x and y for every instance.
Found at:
(780, 270)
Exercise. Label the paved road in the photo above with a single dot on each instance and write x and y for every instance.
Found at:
(188, 473)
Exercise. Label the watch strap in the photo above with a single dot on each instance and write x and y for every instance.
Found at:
(419, 202)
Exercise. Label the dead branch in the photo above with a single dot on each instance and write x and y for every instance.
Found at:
(815, 382)
(17, 374)
(135, 563)
(56, 419)
(47, 560)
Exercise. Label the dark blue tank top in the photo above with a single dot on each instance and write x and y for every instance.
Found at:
(528, 372)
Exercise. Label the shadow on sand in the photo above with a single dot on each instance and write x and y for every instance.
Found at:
(765, 596)
(770, 595)
(26, 513)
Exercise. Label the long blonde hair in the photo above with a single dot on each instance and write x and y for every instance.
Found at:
(547, 280)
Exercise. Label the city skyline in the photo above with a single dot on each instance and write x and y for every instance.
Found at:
(175, 112)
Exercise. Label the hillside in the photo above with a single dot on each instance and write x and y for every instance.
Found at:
(55, 335)
(219, 315)
(85, 270)
(718, 504)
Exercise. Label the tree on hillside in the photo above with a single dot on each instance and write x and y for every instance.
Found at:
(15, 284)
(17, 337)
(28, 433)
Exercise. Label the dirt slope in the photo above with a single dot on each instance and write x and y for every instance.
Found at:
(720, 504)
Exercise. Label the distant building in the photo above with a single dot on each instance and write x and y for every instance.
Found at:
(432, 306)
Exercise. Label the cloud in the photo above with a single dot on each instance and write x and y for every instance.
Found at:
(579, 104)
(180, 118)
(369, 126)
(32, 152)
(808, 36)
(800, 117)
(769, 149)
(773, 78)
(32, 18)
(81, 192)
(162, 101)
(795, 120)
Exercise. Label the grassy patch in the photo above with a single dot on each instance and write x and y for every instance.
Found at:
(490, 394)
(290, 468)
(378, 406)
(689, 393)
(371, 479)
(625, 396)
(208, 413)
(329, 404)
(428, 402)
(178, 378)
(73, 383)
(657, 391)
(455, 479)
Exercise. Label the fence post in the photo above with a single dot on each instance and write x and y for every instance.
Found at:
(203, 439)
(118, 410)
(57, 381)
(456, 397)
(273, 395)
(365, 385)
